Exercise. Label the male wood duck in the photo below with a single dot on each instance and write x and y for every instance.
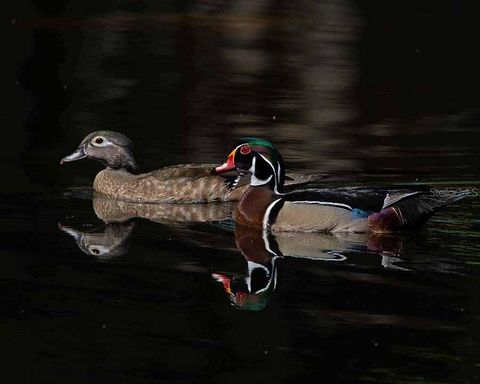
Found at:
(187, 183)
(265, 204)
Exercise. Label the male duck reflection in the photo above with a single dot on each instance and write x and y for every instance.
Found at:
(252, 288)
(186, 183)
(265, 204)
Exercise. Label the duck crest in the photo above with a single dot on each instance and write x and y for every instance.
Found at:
(252, 206)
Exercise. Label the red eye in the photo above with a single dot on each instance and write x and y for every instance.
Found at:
(245, 150)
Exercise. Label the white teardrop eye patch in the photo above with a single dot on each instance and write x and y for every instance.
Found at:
(99, 141)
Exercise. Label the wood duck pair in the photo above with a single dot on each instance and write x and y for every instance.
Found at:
(265, 204)
(185, 183)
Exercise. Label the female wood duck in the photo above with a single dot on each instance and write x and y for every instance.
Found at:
(187, 183)
(266, 205)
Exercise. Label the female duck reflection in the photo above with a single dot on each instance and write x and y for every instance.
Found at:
(110, 239)
(104, 242)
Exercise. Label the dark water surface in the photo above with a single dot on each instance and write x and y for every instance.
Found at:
(357, 94)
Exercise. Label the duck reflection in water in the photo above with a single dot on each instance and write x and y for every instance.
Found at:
(110, 239)
(111, 210)
(104, 242)
(252, 289)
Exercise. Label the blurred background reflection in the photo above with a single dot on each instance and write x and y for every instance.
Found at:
(361, 92)
(341, 86)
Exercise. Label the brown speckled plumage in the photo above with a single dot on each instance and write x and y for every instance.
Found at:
(181, 183)
(187, 183)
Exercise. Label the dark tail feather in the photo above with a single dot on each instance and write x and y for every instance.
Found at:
(416, 210)
(412, 211)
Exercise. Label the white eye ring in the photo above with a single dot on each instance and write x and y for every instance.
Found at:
(99, 141)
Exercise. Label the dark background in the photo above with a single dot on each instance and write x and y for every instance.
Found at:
(343, 85)
(366, 92)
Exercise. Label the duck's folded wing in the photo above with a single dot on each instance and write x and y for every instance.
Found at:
(365, 200)
(308, 216)
(181, 171)
(395, 197)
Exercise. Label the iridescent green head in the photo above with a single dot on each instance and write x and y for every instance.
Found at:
(260, 158)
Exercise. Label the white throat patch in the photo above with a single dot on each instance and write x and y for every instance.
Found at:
(255, 181)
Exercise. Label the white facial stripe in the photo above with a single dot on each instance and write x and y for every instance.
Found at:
(274, 173)
(255, 181)
(252, 168)
(269, 162)
(237, 147)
